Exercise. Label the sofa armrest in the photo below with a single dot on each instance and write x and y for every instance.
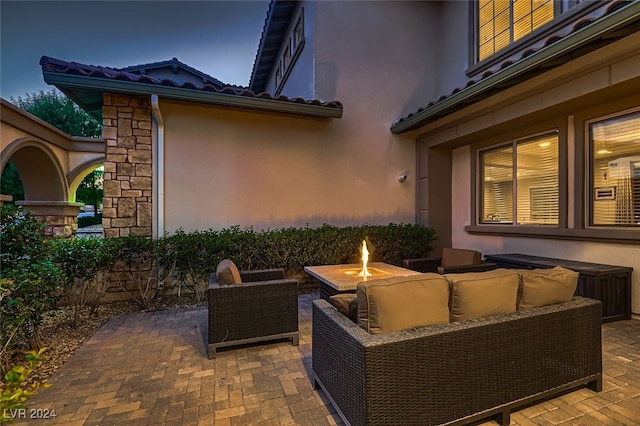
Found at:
(427, 264)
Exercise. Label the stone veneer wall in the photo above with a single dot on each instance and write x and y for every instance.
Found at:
(126, 128)
(59, 226)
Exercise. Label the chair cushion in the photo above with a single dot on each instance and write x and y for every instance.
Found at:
(482, 294)
(454, 257)
(402, 303)
(228, 273)
(346, 304)
(541, 287)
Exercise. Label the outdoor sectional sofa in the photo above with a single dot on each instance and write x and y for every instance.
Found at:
(455, 372)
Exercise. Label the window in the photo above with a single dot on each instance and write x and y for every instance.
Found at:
(614, 151)
(520, 182)
(291, 48)
(502, 22)
(298, 34)
(279, 73)
(287, 54)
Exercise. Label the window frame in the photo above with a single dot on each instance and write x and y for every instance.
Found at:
(291, 50)
(565, 12)
(513, 143)
(573, 179)
(588, 205)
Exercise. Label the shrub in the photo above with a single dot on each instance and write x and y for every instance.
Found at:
(16, 391)
(30, 281)
(137, 268)
(195, 255)
(81, 261)
(186, 255)
(296, 247)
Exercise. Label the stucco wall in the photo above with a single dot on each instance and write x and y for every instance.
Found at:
(284, 170)
(378, 58)
(229, 167)
(453, 46)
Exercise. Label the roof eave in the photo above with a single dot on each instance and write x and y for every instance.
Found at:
(70, 81)
(611, 22)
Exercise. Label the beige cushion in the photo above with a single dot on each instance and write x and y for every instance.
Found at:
(347, 304)
(228, 273)
(542, 287)
(402, 303)
(494, 273)
(482, 294)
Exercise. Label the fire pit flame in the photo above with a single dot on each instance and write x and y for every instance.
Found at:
(365, 259)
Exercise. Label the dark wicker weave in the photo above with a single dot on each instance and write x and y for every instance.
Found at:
(431, 264)
(456, 373)
(263, 307)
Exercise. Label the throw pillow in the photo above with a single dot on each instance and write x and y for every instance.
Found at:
(541, 287)
(402, 303)
(474, 296)
(228, 273)
(494, 273)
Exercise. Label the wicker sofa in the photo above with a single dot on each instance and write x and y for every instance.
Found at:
(264, 306)
(457, 372)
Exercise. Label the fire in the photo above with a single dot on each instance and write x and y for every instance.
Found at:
(365, 259)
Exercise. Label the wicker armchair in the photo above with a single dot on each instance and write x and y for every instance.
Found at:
(264, 307)
(452, 261)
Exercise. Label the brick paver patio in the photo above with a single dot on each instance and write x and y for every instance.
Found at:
(152, 368)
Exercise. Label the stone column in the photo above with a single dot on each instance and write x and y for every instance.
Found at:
(126, 128)
(5, 199)
(60, 217)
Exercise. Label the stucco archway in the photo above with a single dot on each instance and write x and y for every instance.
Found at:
(46, 190)
(77, 175)
(41, 173)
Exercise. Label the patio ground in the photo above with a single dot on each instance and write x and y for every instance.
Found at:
(151, 368)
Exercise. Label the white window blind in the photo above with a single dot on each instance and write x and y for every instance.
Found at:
(615, 171)
(520, 181)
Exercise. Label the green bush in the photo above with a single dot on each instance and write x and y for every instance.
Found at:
(16, 388)
(195, 255)
(81, 261)
(138, 266)
(30, 281)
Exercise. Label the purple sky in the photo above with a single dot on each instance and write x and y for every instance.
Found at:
(219, 38)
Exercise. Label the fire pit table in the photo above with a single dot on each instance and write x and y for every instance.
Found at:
(336, 279)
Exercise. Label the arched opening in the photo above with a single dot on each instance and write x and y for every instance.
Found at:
(39, 170)
(45, 185)
(85, 186)
(11, 183)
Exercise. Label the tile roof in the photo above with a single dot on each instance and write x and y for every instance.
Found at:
(174, 62)
(51, 66)
(607, 8)
(274, 30)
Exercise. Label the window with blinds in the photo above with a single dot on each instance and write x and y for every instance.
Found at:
(501, 22)
(615, 171)
(520, 182)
